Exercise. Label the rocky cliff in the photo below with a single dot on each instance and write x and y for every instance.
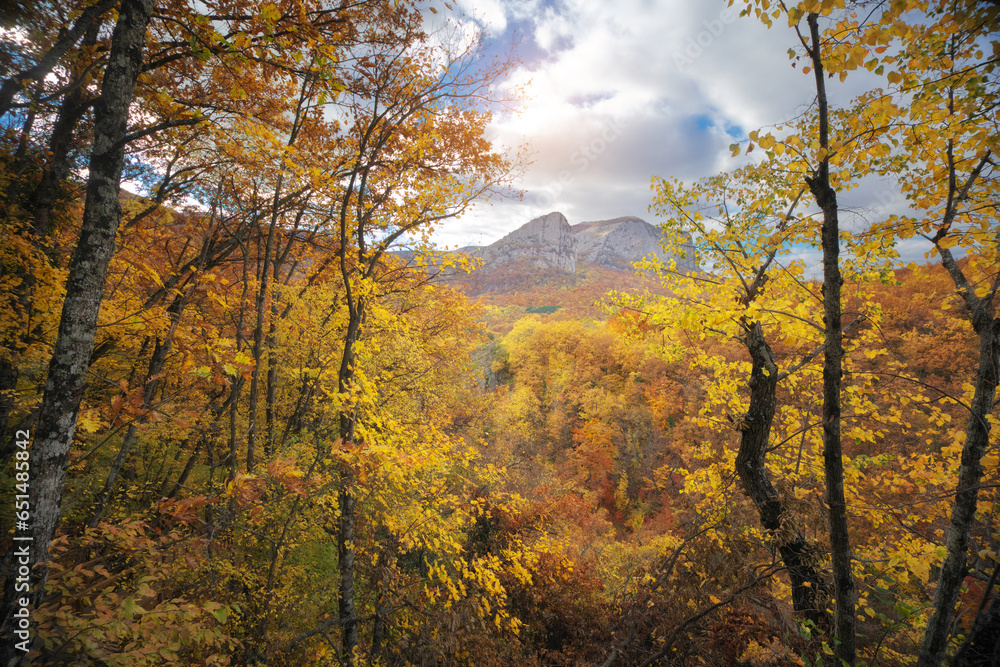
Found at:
(550, 242)
(620, 242)
(546, 242)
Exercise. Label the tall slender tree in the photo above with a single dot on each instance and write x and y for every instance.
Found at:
(85, 287)
(417, 157)
(833, 457)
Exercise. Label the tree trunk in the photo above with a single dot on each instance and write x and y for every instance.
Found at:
(18, 165)
(188, 467)
(970, 471)
(237, 379)
(345, 533)
(272, 376)
(258, 333)
(826, 197)
(15, 84)
(54, 173)
(751, 467)
(84, 291)
(73, 106)
(265, 282)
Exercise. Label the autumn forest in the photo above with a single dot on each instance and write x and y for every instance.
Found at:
(249, 415)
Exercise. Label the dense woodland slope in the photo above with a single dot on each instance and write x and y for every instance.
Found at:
(238, 427)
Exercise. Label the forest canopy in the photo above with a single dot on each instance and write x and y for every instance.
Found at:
(243, 420)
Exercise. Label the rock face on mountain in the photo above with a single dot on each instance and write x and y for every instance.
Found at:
(620, 242)
(545, 242)
(549, 242)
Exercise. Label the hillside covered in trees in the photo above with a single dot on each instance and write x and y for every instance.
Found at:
(244, 420)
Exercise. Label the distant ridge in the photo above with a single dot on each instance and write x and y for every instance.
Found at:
(550, 242)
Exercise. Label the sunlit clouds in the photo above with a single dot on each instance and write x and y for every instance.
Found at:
(616, 92)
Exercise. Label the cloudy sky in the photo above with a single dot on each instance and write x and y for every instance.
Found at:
(617, 91)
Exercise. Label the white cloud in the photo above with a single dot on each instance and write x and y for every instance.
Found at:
(490, 14)
(620, 90)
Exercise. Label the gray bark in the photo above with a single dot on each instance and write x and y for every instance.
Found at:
(345, 524)
(84, 291)
(840, 546)
(237, 378)
(970, 471)
(258, 331)
(345, 381)
(752, 470)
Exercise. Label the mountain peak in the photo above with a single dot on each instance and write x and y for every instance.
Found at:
(546, 242)
(550, 242)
